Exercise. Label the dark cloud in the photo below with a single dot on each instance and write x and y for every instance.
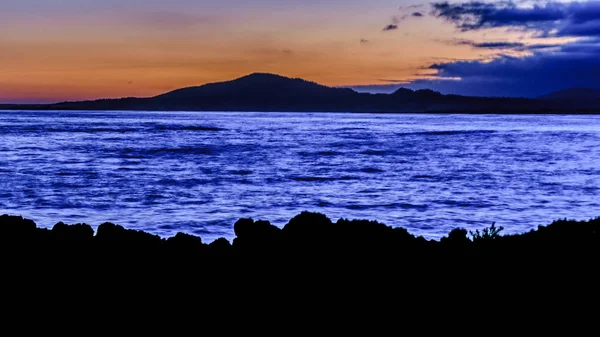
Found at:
(574, 65)
(500, 45)
(364, 41)
(550, 19)
(397, 19)
(547, 67)
(488, 45)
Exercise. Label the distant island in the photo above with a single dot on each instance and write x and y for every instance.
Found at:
(274, 93)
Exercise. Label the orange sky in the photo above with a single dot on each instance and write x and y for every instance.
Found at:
(55, 50)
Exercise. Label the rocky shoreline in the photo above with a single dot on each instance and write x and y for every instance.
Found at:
(350, 265)
(308, 235)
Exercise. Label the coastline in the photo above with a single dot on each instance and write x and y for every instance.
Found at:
(306, 226)
(361, 265)
(17, 107)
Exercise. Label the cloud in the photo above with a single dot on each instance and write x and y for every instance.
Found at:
(573, 65)
(364, 41)
(488, 45)
(396, 20)
(546, 67)
(550, 19)
(536, 70)
(501, 45)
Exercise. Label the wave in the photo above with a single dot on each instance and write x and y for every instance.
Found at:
(376, 152)
(130, 169)
(320, 153)
(392, 205)
(90, 130)
(466, 204)
(241, 172)
(322, 179)
(183, 150)
(446, 133)
(104, 129)
(188, 183)
(424, 177)
(372, 170)
(187, 128)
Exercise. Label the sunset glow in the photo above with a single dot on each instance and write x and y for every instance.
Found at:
(54, 50)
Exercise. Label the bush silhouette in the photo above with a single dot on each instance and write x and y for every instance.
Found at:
(458, 237)
(487, 234)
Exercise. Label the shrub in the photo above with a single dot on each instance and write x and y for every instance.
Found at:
(487, 234)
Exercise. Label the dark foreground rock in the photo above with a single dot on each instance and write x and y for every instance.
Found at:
(309, 237)
(311, 259)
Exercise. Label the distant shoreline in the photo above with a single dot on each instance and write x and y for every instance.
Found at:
(560, 112)
(273, 93)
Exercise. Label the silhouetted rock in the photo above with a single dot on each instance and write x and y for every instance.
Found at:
(308, 225)
(185, 244)
(259, 236)
(310, 244)
(186, 240)
(220, 247)
(367, 237)
(81, 232)
(16, 227)
(309, 234)
(248, 229)
(111, 232)
(183, 248)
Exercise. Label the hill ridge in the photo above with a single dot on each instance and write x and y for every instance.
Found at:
(268, 92)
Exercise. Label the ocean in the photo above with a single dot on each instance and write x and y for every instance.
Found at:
(199, 172)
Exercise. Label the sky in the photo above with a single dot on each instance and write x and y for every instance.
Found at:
(58, 50)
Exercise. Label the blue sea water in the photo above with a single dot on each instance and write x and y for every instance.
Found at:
(165, 172)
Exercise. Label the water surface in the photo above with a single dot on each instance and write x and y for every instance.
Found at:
(165, 172)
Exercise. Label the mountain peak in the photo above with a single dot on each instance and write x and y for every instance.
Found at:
(270, 79)
(256, 89)
(262, 76)
(403, 91)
